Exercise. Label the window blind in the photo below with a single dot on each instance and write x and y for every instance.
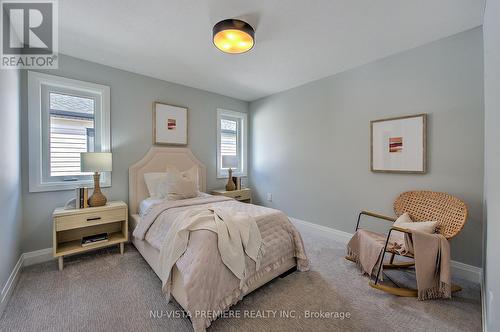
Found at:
(229, 144)
(71, 133)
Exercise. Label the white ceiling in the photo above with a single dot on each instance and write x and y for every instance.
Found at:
(297, 41)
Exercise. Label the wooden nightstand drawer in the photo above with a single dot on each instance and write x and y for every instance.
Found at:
(90, 219)
(244, 194)
(239, 194)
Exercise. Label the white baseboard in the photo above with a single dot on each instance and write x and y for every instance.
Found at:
(26, 259)
(10, 285)
(329, 232)
(458, 269)
(37, 256)
(467, 272)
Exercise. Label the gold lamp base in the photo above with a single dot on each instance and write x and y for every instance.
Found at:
(97, 198)
(230, 186)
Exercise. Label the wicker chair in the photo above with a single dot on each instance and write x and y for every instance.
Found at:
(449, 211)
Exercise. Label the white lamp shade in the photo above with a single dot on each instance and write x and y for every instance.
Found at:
(96, 162)
(229, 161)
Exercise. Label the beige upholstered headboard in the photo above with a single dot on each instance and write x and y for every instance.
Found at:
(156, 160)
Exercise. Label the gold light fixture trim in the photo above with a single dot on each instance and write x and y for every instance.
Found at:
(233, 36)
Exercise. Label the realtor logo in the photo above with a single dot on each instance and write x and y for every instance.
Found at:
(29, 34)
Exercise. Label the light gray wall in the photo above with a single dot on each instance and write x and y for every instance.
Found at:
(132, 97)
(310, 145)
(10, 174)
(492, 162)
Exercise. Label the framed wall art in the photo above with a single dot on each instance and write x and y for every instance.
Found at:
(399, 145)
(169, 124)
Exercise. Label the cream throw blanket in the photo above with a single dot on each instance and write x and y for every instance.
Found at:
(432, 259)
(237, 236)
(365, 247)
(432, 264)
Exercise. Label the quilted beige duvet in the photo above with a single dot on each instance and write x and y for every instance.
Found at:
(211, 288)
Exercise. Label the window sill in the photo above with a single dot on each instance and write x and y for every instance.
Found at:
(58, 186)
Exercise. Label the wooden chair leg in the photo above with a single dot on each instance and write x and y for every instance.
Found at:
(406, 292)
(399, 265)
(399, 291)
(349, 258)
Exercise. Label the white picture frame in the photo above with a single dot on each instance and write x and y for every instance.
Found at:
(399, 145)
(169, 124)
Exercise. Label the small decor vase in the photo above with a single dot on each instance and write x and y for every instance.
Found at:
(230, 186)
(97, 198)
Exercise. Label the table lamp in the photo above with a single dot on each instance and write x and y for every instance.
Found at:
(230, 162)
(96, 162)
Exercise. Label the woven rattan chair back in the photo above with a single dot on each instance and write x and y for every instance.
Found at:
(449, 211)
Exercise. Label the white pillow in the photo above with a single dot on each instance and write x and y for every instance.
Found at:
(152, 180)
(191, 174)
(179, 185)
(404, 221)
(404, 218)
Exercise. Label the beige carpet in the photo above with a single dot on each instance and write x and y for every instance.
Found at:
(104, 291)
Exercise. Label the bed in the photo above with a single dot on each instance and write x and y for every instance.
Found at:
(182, 158)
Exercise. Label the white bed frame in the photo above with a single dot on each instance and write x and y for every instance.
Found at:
(156, 160)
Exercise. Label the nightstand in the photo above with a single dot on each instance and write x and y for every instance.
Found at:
(69, 226)
(242, 195)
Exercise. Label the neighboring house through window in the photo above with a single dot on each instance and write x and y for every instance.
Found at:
(66, 117)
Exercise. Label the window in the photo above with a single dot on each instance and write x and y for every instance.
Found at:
(66, 117)
(231, 143)
(71, 132)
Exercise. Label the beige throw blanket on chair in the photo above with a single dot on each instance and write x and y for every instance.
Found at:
(366, 249)
(237, 233)
(432, 264)
(431, 253)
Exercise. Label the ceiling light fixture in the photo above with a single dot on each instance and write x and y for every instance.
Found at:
(233, 36)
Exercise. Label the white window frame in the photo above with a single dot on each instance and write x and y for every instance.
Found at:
(37, 82)
(243, 142)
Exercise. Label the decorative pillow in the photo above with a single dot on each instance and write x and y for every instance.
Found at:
(404, 218)
(191, 174)
(152, 180)
(404, 221)
(179, 185)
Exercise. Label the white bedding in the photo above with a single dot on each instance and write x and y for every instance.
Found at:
(148, 203)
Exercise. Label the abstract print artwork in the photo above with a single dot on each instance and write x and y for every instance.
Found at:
(169, 124)
(395, 144)
(398, 145)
